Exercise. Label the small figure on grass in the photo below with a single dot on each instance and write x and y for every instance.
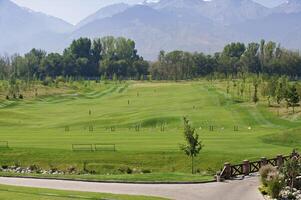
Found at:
(193, 144)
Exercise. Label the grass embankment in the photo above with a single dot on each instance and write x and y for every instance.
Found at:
(25, 193)
(35, 129)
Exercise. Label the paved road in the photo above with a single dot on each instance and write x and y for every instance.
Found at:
(232, 190)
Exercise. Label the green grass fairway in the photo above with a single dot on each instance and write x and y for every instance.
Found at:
(35, 129)
(24, 193)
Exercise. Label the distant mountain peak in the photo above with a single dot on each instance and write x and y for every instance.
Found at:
(178, 3)
(220, 11)
(290, 6)
(104, 12)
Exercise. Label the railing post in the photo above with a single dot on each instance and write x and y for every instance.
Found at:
(279, 160)
(227, 170)
(263, 161)
(246, 167)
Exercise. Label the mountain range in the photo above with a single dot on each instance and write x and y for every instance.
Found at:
(191, 25)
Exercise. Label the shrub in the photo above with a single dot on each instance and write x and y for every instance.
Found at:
(52, 168)
(125, 170)
(4, 166)
(47, 81)
(146, 171)
(263, 190)
(265, 171)
(60, 79)
(275, 183)
(71, 169)
(33, 167)
(291, 170)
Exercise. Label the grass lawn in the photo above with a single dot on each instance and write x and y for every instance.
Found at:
(35, 129)
(153, 177)
(25, 193)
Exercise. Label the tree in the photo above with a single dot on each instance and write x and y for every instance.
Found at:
(293, 97)
(52, 65)
(193, 144)
(33, 61)
(250, 59)
(255, 95)
(85, 56)
(230, 58)
(108, 55)
(269, 89)
(291, 170)
(281, 89)
(139, 68)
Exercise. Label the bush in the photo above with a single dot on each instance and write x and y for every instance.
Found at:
(47, 81)
(265, 171)
(71, 169)
(275, 183)
(52, 168)
(146, 171)
(60, 79)
(125, 170)
(33, 167)
(4, 166)
(291, 170)
(263, 190)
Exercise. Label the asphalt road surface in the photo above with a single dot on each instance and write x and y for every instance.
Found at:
(246, 189)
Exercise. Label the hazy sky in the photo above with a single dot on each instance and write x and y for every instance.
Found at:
(75, 10)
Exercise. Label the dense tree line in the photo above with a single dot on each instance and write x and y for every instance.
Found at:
(235, 59)
(84, 58)
(110, 57)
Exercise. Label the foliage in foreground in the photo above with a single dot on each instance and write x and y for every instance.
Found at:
(276, 182)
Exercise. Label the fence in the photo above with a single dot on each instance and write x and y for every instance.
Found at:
(93, 147)
(104, 147)
(82, 147)
(247, 167)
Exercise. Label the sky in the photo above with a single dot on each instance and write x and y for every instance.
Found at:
(74, 11)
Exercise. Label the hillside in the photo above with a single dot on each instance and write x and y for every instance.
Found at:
(195, 25)
(23, 29)
(191, 25)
